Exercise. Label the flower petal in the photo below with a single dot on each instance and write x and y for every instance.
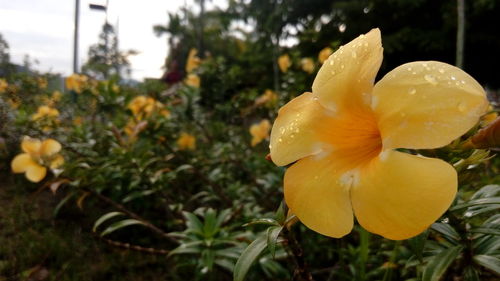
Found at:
(50, 147)
(36, 173)
(31, 145)
(346, 78)
(426, 105)
(399, 195)
(21, 163)
(315, 194)
(294, 132)
(57, 162)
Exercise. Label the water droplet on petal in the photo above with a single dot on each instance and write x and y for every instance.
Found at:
(431, 79)
(409, 68)
(412, 91)
(353, 54)
(453, 78)
(331, 62)
(280, 140)
(441, 70)
(342, 66)
(462, 107)
(332, 72)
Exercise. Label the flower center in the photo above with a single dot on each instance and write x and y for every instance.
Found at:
(354, 138)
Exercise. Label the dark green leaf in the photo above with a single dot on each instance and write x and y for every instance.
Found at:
(482, 201)
(447, 231)
(263, 221)
(248, 257)
(104, 218)
(437, 266)
(490, 262)
(272, 237)
(118, 225)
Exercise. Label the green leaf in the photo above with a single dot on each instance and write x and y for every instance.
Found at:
(417, 244)
(280, 214)
(476, 202)
(490, 262)
(137, 194)
(437, 266)
(248, 257)
(447, 231)
(62, 203)
(264, 221)
(193, 223)
(118, 225)
(210, 223)
(485, 230)
(272, 237)
(104, 218)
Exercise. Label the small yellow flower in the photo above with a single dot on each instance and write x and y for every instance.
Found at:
(3, 85)
(324, 54)
(186, 142)
(343, 138)
(269, 97)
(192, 80)
(56, 96)
(37, 157)
(307, 65)
(45, 111)
(144, 107)
(76, 82)
(42, 82)
(260, 131)
(193, 61)
(284, 63)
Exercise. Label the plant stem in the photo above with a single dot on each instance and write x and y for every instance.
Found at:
(302, 272)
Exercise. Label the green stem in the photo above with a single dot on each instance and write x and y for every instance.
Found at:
(388, 272)
(364, 237)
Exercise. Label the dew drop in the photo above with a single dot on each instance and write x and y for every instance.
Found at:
(424, 64)
(441, 70)
(342, 66)
(412, 91)
(453, 78)
(292, 136)
(463, 82)
(414, 72)
(315, 98)
(365, 44)
(362, 36)
(332, 72)
(280, 140)
(409, 68)
(353, 54)
(431, 79)
(462, 107)
(331, 62)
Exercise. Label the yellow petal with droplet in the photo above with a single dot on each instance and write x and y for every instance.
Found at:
(399, 195)
(346, 79)
(50, 147)
(21, 163)
(57, 162)
(294, 134)
(315, 193)
(426, 105)
(36, 173)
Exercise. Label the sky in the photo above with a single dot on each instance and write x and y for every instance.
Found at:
(43, 29)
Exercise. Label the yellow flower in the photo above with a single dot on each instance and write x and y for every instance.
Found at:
(37, 157)
(343, 139)
(76, 82)
(186, 142)
(56, 96)
(144, 107)
(324, 54)
(45, 111)
(284, 62)
(193, 61)
(260, 131)
(3, 85)
(192, 80)
(42, 82)
(307, 65)
(269, 97)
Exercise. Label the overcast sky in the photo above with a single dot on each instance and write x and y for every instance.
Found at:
(43, 29)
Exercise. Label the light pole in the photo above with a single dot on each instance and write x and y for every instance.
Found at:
(75, 39)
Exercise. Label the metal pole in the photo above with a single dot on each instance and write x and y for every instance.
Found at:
(459, 59)
(75, 39)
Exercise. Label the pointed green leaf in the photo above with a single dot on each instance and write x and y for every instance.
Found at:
(248, 257)
(272, 238)
(118, 225)
(437, 266)
(490, 262)
(476, 202)
(104, 218)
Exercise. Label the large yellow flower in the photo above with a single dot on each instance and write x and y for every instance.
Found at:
(193, 61)
(186, 142)
(284, 62)
(36, 157)
(76, 82)
(260, 131)
(344, 135)
(45, 111)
